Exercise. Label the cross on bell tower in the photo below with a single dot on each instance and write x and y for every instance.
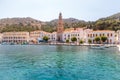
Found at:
(60, 28)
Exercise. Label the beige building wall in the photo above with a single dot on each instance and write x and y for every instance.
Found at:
(54, 36)
(15, 37)
(43, 33)
(38, 35)
(79, 33)
(0, 37)
(118, 36)
(109, 34)
(34, 35)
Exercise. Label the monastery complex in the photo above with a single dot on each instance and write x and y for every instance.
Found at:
(61, 35)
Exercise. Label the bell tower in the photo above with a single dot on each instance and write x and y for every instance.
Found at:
(60, 28)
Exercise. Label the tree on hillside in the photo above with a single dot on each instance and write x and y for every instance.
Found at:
(100, 25)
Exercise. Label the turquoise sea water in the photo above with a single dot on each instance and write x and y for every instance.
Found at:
(42, 62)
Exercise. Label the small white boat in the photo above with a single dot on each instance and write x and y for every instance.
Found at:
(118, 47)
(106, 46)
(98, 47)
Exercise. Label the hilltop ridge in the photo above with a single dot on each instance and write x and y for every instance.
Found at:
(29, 24)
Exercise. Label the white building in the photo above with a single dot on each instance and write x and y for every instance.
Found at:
(69, 33)
(43, 33)
(53, 36)
(86, 32)
(118, 36)
(0, 37)
(15, 37)
(37, 36)
(109, 34)
(79, 33)
(34, 36)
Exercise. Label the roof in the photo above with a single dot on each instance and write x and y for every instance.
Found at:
(14, 32)
(73, 30)
(103, 31)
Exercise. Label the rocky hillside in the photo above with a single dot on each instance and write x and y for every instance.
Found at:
(68, 23)
(115, 16)
(24, 21)
(30, 24)
(109, 23)
(67, 20)
(19, 24)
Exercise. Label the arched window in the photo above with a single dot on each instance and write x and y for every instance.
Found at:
(111, 34)
(103, 34)
(90, 35)
(110, 41)
(108, 34)
(96, 35)
(93, 35)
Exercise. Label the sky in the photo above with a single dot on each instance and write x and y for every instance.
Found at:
(46, 10)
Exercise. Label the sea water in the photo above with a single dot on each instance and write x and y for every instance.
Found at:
(44, 62)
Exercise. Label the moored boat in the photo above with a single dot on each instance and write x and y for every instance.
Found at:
(118, 47)
(98, 47)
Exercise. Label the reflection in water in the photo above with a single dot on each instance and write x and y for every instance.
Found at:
(59, 66)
